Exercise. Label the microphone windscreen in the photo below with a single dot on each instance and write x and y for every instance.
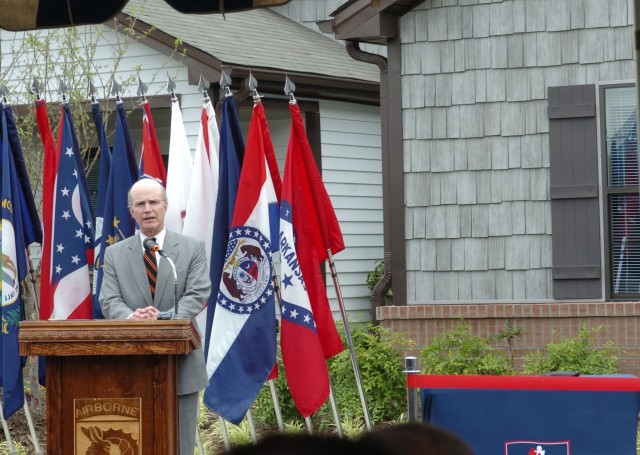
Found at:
(150, 244)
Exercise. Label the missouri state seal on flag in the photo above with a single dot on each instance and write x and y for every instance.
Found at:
(537, 448)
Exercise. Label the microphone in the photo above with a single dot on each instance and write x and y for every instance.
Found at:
(150, 244)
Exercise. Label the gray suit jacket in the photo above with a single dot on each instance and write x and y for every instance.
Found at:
(125, 288)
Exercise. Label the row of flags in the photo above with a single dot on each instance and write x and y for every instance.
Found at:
(230, 196)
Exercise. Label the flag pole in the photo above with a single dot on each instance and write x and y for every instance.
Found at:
(347, 331)
(276, 405)
(27, 411)
(334, 408)
(7, 433)
(307, 420)
(32, 430)
(252, 427)
(225, 434)
(272, 383)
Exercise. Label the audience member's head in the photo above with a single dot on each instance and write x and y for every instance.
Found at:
(403, 439)
(303, 444)
(414, 439)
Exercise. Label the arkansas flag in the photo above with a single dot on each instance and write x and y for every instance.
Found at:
(315, 228)
(302, 355)
(243, 348)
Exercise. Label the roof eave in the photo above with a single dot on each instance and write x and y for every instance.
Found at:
(200, 62)
(368, 21)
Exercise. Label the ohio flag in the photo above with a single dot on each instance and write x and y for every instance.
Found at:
(71, 232)
(243, 350)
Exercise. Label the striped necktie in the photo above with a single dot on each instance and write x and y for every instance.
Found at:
(152, 269)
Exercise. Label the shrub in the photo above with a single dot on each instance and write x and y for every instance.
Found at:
(574, 354)
(458, 351)
(383, 381)
(381, 366)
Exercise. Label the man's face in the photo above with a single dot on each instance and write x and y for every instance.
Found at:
(148, 208)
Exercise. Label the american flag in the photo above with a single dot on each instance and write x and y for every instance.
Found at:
(72, 228)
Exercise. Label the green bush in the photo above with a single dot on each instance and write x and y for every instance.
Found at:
(383, 381)
(458, 351)
(381, 367)
(574, 354)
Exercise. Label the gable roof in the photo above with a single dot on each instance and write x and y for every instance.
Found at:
(261, 41)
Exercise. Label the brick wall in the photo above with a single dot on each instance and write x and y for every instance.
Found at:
(541, 324)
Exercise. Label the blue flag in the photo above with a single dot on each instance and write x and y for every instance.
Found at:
(231, 156)
(244, 352)
(31, 224)
(14, 270)
(103, 179)
(118, 224)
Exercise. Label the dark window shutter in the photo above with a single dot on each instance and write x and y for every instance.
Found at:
(575, 208)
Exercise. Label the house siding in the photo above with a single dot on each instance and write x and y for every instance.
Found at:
(352, 172)
(475, 80)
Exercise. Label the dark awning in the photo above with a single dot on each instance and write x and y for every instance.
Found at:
(34, 14)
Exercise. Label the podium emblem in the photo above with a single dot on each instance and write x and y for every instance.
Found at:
(105, 426)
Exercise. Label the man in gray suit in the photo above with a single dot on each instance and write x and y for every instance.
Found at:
(126, 292)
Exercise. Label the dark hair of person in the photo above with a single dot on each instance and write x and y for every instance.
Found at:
(414, 439)
(303, 444)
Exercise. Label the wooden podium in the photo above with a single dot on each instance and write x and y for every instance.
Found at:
(110, 383)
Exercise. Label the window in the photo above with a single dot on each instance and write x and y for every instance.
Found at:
(620, 191)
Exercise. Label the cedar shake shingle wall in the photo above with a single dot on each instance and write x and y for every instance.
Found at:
(475, 79)
(541, 323)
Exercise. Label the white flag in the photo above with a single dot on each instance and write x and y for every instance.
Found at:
(178, 172)
(201, 208)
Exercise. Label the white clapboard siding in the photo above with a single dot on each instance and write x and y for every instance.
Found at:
(350, 141)
(351, 162)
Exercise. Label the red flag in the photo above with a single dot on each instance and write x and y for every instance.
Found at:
(271, 158)
(151, 164)
(50, 169)
(316, 227)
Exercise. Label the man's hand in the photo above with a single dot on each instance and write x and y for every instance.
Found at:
(149, 312)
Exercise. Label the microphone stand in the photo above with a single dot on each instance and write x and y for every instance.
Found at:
(175, 282)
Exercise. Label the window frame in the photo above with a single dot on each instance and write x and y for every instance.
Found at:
(606, 191)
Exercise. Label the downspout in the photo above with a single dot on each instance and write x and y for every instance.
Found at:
(384, 283)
